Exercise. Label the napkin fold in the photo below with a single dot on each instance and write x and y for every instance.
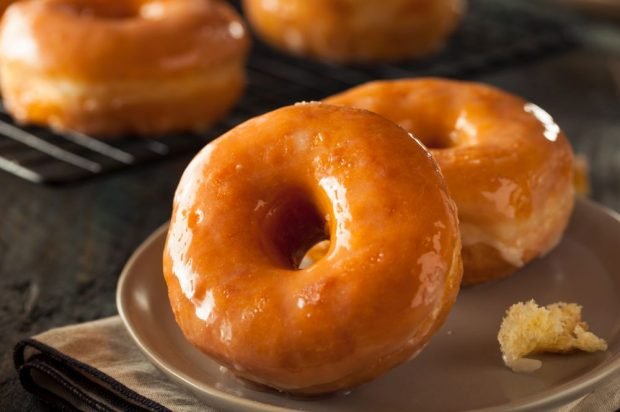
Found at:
(97, 366)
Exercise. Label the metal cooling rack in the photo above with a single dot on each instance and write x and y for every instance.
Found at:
(493, 35)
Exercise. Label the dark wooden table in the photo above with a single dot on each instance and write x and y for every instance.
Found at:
(62, 249)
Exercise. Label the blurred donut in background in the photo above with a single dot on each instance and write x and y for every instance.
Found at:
(355, 31)
(112, 68)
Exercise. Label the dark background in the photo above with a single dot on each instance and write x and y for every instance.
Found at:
(62, 248)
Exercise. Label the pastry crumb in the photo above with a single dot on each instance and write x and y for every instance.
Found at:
(529, 329)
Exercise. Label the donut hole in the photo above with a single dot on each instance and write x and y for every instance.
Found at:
(433, 136)
(294, 226)
(454, 129)
(438, 142)
(437, 139)
(315, 253)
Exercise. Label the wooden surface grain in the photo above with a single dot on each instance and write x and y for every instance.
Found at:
(62, 249)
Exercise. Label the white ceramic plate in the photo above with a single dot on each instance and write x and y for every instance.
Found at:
(461, 369)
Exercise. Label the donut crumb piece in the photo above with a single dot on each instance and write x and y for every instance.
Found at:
(529, 329)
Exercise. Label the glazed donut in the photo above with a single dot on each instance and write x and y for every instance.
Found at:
(353, 30)
(109, 68)
(4, 4)
(250, 204)
(508, 166)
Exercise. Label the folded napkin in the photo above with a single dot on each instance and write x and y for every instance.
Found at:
(96, 366)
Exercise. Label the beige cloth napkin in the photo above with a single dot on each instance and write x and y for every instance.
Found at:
(96, 366)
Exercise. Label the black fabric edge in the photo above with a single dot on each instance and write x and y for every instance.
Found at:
(49, 397)
(23, 367)
(90, 388)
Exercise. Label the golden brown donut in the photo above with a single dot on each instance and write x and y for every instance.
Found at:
(253, 201)
(508, 166)
(355, 30)
(4, 4)
(108, 68)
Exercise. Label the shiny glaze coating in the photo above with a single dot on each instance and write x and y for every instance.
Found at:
(124, 66)
(4, 4)
(253, 201)
(507, 164)
(354, 30)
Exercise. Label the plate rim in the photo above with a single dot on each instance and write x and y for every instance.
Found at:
(561, 394)
(249, 404)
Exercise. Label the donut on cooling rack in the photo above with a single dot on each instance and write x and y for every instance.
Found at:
(507, 164)
(254, 200)
(109, 68)
(354, 30)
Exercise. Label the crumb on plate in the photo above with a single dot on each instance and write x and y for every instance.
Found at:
(529, 329)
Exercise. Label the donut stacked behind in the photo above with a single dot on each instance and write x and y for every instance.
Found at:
(118, 67)
(507, 164)
(254, 200)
